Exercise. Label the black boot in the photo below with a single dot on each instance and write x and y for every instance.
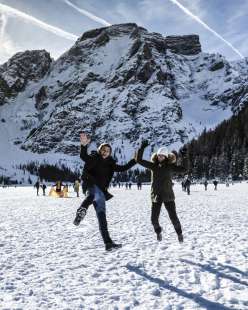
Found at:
(112, 246)
(158, 231)
(79, 216)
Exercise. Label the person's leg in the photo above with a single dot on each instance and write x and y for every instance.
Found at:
(81, 211)
(156, 207)
(171, 208)
(100, 208)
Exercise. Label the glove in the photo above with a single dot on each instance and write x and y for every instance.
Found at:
(183, 151)
(175, 153)
(144, 144)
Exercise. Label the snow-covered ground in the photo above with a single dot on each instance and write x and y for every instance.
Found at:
(47, 263)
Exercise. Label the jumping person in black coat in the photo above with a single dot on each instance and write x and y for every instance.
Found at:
(163, 166)
(97, 174)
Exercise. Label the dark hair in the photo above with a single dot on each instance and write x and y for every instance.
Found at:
(102, 145)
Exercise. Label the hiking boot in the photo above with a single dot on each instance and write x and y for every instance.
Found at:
(79, 216)
(180, 238)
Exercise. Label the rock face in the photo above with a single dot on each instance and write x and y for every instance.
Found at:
(120, 83)
(185, 45)
(21, 69)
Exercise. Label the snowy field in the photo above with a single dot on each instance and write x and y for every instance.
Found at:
(48, 263)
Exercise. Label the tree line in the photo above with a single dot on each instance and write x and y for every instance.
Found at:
(221, 152)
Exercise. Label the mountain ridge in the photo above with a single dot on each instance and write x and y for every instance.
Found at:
(120, 83)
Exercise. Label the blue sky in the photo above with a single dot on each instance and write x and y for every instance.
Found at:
(18, 32)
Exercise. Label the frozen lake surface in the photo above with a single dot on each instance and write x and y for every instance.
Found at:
(48, 263)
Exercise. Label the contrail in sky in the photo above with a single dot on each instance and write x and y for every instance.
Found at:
(88, 14)
(6, 45)
(3, 22)
(185, 10)
(59, 32)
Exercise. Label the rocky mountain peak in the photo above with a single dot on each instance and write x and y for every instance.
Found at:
(122, 83)
(21, 69)
(184, 45)
(113, 31)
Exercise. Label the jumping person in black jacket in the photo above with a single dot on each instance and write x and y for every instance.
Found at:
(163, 166)
(97, 174)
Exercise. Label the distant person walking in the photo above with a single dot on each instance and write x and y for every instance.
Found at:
(37, 186)
(183, 186)
(139, 185)
(215, 182)
(205, 184)
(76, 187)
(187, 184)
(44, 189)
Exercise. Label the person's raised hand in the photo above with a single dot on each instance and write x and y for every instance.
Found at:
(144, 144)
(84, 139)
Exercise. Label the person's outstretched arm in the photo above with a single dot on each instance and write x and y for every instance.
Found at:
(84, 141)
(120, 168)
(145, 163)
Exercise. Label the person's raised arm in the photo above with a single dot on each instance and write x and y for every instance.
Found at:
(84, 141)
(145, 163)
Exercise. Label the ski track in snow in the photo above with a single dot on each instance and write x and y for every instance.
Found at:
(48, 263)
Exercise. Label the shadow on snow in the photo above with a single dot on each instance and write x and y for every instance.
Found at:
(217, 272)
(209, 305)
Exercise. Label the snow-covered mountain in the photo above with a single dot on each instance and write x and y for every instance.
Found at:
(119, 83)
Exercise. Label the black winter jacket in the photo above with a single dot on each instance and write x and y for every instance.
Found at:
(99, 171)
(161, 187)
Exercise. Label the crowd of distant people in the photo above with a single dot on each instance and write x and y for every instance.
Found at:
(185, 183)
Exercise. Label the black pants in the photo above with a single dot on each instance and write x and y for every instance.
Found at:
(171, 209)
(101, 216)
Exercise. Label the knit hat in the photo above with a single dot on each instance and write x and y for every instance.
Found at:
(163, 151)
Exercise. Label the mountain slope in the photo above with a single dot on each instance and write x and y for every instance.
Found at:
(119, 83)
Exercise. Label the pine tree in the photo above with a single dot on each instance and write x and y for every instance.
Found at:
(245, 168)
